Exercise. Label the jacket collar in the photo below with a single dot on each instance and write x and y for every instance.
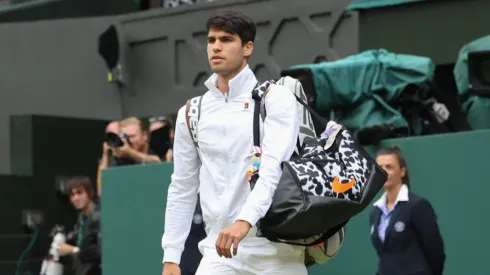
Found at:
(402, 196)
(244, 81)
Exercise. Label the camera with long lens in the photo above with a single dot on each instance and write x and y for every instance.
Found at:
(115, 141)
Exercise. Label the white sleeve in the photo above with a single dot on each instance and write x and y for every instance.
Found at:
(182, 192)
(279, 141)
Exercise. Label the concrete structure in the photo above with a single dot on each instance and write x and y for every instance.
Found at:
(53, 68)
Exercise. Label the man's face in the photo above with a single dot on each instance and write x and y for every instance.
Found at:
(112, 127)
(138, 138)
(79, 198)
(226, 54)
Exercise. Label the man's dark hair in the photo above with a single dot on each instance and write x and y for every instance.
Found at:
(80, 182)
(233, 22)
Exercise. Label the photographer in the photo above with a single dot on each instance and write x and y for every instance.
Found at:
(86, 248)
(130, 147)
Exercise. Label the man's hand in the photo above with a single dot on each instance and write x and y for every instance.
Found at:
(231, 235)
(124, 151)
(65, 249)
(106, 148)
(169, 156)
(171, 269)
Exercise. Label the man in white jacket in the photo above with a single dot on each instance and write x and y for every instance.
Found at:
(217, 167)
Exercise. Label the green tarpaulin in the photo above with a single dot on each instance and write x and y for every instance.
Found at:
(477, 108)
(357, 90)
(370, 4)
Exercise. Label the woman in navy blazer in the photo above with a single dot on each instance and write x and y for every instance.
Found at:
(404, 229)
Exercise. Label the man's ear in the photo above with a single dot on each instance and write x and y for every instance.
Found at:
(248, 48)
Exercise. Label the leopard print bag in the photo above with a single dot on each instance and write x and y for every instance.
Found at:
(329, 180)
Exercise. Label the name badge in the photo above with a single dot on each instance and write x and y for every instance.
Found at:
(399, 226)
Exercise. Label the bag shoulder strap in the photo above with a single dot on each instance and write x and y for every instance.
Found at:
(258, 94)
(192, 116)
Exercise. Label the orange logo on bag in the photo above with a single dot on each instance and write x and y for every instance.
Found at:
(340, 187)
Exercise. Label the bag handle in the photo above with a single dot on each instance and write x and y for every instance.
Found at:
(316, 115)
(256, 122)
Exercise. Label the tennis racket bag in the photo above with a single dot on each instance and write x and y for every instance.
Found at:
(328, 180)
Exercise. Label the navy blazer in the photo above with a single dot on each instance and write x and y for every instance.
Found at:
(413, 243)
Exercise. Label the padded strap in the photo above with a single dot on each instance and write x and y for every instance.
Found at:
(195, 104)
(187, 122)
(258, 93)
(263, 111)
(256, 123)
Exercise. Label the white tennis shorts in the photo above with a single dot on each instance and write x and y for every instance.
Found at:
(251, 262)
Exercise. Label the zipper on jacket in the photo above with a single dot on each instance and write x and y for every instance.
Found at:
(226, 97)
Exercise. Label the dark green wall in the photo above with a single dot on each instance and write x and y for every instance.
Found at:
(446, 169)
(133, 214)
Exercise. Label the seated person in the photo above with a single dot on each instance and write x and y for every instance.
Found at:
(86, 247)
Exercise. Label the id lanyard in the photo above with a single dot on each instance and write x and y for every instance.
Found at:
(81, 222)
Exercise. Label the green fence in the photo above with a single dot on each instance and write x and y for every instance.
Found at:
(446, 169)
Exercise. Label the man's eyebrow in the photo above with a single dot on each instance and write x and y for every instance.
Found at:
(221, 37)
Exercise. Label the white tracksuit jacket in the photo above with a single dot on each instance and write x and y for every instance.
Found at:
(225, 138)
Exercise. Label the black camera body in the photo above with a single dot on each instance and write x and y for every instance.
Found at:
(115, 140)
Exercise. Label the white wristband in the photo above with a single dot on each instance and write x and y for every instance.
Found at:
(75, 250)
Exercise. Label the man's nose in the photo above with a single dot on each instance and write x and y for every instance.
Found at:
(217, 46)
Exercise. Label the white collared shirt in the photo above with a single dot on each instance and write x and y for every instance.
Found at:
(225, 138)
(386, 214)
(402, 196)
